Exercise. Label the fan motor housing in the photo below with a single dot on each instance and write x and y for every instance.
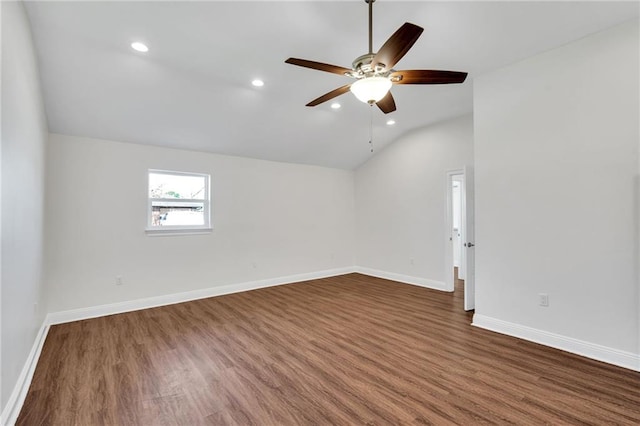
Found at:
(362, 66)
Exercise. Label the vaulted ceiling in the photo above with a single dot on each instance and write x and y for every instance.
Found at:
(192, 89)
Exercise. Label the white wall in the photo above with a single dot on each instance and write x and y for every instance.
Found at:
(24, 134)
(556, 157)
(400, 201)
(285, 219)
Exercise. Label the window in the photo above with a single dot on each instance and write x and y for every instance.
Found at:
(178, 202)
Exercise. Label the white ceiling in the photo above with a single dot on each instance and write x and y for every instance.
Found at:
(192, 89)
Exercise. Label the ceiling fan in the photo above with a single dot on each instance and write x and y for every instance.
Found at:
(374, 72)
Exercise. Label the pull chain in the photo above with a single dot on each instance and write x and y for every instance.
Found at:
(371, 128)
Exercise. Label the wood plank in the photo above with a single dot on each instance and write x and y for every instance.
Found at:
(345, 350)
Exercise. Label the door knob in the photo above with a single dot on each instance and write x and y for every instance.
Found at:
(469, 245)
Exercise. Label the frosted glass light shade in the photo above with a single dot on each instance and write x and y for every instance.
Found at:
(371, 89)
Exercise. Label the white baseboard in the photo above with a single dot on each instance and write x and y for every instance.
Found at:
(16, 399)
(406, 279)
(569, 344)
(170, 299)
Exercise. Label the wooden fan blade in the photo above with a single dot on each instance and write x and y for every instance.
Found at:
(427, 77)
(319, 66)
(327, 96)
(387, 104)
(397, 45)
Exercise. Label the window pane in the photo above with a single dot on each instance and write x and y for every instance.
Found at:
(175, 186)
(176, 213)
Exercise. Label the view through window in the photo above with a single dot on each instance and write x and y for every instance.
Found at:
(178, 200)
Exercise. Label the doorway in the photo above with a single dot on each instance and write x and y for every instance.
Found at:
(456, 225)
(459, 245)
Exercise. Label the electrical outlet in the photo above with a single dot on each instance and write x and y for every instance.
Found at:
(544, 299)
(412, 261)
(119, 280)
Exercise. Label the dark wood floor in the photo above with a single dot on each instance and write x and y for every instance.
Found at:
(340, 351)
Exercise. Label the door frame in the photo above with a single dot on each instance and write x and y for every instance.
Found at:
(469, 251)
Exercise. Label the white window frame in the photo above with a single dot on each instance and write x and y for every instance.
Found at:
(180, 229)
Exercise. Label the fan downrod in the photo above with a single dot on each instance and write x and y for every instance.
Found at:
(370, 3)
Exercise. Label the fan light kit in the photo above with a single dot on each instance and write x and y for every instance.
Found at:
(371, 89)
(140, 47)
(374, 72)
(335, 105)
(257, 82)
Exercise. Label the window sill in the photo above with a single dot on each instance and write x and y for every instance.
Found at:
(155, 232)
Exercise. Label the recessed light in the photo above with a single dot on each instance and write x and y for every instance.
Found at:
(335, 105)
(257, 82)
(391, 122)
(140, 47)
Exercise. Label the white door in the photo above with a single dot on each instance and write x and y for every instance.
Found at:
(468, 255)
